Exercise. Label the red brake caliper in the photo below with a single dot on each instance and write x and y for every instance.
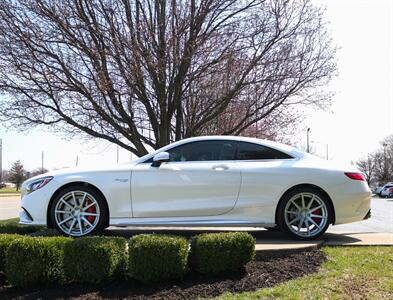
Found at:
(91, 209)
(317, 212)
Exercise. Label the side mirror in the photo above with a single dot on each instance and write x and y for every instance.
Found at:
(159, 158)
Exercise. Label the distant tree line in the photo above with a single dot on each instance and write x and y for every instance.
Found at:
(17, 174)
(378, 166)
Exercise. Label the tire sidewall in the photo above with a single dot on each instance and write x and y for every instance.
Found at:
(101, 203)
(281, 212)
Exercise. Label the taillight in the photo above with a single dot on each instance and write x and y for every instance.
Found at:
(355, 176)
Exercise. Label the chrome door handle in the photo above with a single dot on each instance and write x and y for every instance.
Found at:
(220, 168)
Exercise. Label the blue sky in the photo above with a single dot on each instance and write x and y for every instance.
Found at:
(361, 114)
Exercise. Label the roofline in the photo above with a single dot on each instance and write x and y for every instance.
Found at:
(272, 144)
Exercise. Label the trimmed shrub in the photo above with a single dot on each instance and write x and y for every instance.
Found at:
(155, 258)
(213, 253)
(95, 259)
(5, 241)
(33, 261)
(12, 226)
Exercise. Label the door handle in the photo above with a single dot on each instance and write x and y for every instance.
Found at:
(220, 168)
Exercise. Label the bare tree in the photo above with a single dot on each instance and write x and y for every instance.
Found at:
(38, 171)
(368, 166)
(378, 166)
(144, 73)
(17, 174)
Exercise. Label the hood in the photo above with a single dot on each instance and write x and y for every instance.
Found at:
(76, 170)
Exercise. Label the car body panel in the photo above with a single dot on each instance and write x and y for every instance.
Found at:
(184, 189)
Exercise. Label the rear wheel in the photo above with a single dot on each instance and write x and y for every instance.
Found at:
(304, 213)
(79, 211)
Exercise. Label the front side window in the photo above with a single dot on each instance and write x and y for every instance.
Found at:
(204, 151)
(250, 151)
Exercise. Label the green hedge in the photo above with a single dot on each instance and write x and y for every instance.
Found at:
(213, 253)
(95, 259)
(33, 261)
(5, 241)
(11, 226)
(154, 258)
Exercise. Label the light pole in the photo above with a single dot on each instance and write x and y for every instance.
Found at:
(42, 162)
(308, 139)
(327, 151)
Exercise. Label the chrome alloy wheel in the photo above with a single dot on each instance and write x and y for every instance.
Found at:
(77, 213)
(306, 214)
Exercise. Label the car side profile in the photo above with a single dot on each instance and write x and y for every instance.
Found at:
(202, 181)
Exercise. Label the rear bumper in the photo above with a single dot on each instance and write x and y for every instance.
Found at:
(351, 201)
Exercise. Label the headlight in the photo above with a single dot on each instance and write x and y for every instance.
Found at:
(37, 184)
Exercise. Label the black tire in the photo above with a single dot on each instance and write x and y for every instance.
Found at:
(100, 205)
(289, 229)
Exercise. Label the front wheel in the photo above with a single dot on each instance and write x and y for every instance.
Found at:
(78, 211)
(304, 213)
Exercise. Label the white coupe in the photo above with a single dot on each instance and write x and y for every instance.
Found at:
(203, 181)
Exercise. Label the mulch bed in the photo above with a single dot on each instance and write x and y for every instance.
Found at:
(263, 272)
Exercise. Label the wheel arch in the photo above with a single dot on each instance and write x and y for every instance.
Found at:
(74, 184)
(313, 186)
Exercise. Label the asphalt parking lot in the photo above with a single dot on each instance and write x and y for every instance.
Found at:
(381, 217)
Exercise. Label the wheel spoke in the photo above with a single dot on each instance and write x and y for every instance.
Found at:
(311, 201)
(80, 225)
(72, 225)
(87, 221)
(316, 208)
(65, 220)
(75, 201)
(307, 226)
(300, 224)
(66, 203)
(89, 214)
(292, 212)
(62, 211)
(294, 220)
(313, 222)
(88, 206)
(303, 204)
(297, 206)
(318, 216)
(83, 199)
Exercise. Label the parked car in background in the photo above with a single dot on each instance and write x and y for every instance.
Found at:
(378, 191)
(2, 185)
(203, 181)
(387, 192)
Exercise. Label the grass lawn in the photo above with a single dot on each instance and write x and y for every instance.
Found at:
(9, 191)
(349, 273)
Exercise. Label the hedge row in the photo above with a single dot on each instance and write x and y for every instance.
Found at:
(28, 261)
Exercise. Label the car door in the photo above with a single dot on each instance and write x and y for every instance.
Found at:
(201, 179)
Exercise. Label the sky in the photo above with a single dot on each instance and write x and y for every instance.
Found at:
(361, 114)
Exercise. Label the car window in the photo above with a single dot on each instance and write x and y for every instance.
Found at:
(204, 151)
(251, 151)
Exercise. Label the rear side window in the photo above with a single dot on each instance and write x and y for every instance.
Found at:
(250, 151)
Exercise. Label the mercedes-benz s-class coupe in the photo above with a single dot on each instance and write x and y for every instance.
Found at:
(203, 181)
